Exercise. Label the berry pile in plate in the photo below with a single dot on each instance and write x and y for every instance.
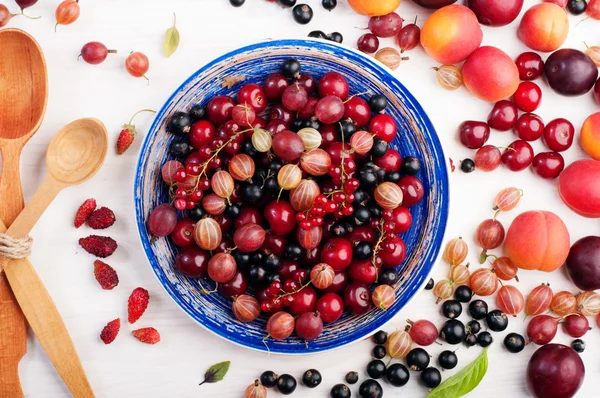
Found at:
(290, 199)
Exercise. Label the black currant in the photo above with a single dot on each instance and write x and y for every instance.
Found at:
(370, 389)
(268, 379)
(329, 4)
(336, 37)
(417, 359)
(380, 337)
(312, 378)
(577, 7)
(514, 342)
(367, 177)
(287, 3)
(318, 34)
(467, 165)
(257, 258)
(374, 209)
(380, 174)
(346, 128)
(389, 276)
(359, 196)
(478, 309)
(272, 262)
(397, 375)
(451, 309)
(578, 345)
(484, 339)
(197, 213)
(363, 251)
(302, 13)
(378, 103)
(410, 165)
(431, 378)
(338, 230)
(448, 359)
(376, 369)
(296, 125)
(453, 331)
(392, 176)
(275, 166)
(198, 112)
(430, 284)
(237, 3)
(233, 210)
(379, 148)
(379, 352)
(293, 251)
(180, 123)
(497, 321)
(286, 384)
(312, 123)
(272, 277)
(340, 391)
(463, 294)
(257, 275)
(352, 377)
(249, 149)
(271, 186)
(251, 193)
(470, 340)
(473, 327)
(180, 149)
(291, 66)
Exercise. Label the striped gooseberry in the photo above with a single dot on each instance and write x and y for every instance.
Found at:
(316, 162)
(490, 235)
(398, 344)
(456, 251)
(245, 308)
(460, 275)
(563, 303)
(289, 176)
(505, 269)
(214, 204)
(322, 275)
(207, 234)
(388, 195)
(484, 282)
(361, 142)
(249, 237)
(241, 167)
(588, 303)
(508, 199)
(310, 137)
(383, 297)
(222, 183)
(262, 140)
(280, 325)
(443, 290)
(222, 267)
(538, 300)
(309, 238)
(303, 196)
(255, 390)
(510, 300)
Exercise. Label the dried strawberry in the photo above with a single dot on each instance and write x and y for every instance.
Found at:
(84, 212)
(105, 275)
(99, 246)
(137, 304)
(127, 135)
(110, 331)
(147, 335)
(101, 218)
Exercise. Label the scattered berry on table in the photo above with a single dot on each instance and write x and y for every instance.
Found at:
(453, 331)
(430, 284)
(137, 304)
(431, 378)
(67, 12)
(105, 275)
(269, 379)
(95, 52)
(514, 342)
(147, 335)
(417, 359)
(379, 352)
(351, 377)
(473, 326)
(578, 345)
(451, 309)
(397, 375)
(84, 212)
(380, 337)
(496, 320)
(286, 384)
(101, 218)
(470, 340)
(127, 134)
(329, 4)
(340, 391)
(312, 378)
(336, 37)
(463, 294)
(99, 246)
(302, 13)
(478, 309)
(376, 369)
(577, 7)
(370, 389)
(287, 3)
(467, 165)
(110, 331)
(318, 34)
(448, 359)
(484, 339)
(237, 3)
(137, 64)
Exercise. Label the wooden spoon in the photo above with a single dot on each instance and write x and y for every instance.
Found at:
(23, 98)
(75, 154)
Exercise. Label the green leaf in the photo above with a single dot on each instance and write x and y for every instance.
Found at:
(464, 381)
(171, 39)
(216, 372)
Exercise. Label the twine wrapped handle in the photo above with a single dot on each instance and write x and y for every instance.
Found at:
(15, 248)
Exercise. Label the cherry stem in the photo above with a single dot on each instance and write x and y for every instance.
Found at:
(148, 80)
(138, 112)
(25, 15)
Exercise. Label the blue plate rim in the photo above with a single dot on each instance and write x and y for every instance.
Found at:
(419, 114)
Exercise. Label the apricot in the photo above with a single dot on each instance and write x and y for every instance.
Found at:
(451, 34)
(490, 74)
(538, 240)
(579, 187)
(590, 136)
(544, 27)
(374, 8)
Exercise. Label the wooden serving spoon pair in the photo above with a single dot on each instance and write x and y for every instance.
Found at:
(75, 154)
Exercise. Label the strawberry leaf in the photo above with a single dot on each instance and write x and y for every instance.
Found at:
(216, 372)
(171, 39)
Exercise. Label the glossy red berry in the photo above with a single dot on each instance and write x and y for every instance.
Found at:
(548, 164)
(473, 134)
(530, 65)
(518, 155)
(528, 96)
(558, 135)
(530, 127)
(503, 116)
(413, 190)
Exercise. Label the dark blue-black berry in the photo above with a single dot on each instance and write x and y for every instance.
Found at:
(249, 149)
(473, 327)
(275, 165)
(453, 331)
(448, 359)
(378, 103)
(286, 384)
(197, 213)
(514, 342)
(430, 284)
(312, 378)
(257, 275)
(463, 294)
(296, 125)
(180, 149)
(291, 66)
(268, 379)
(484, 339)
(271, 186)
(379, 352)
(302, 13)
(467, 165)
(397, 375)
(272, 277)
(346, 128)
(329, 4)
(376, 369)
(380, 337)
(360, 196)
(287, 3)
(198, 112)
(389, 276)
(312, 123)
(351, 377)
(410, 165)
(237, 3)
(370, 389)
(470, 340)
(233, 210)
(340, 391)
(496, 320)
(577, 7)
(257, 258)
(431, 378)
(363, 251)
(180, 123)
(251, 193)
(451, 309)
(367, 177)
(336, 37)
(379, 148)
(392, 176)
(417, 359)
(478, 309)
(293, 251)
(318, 34)
(578, 345)
(361, 214)
(272, 262)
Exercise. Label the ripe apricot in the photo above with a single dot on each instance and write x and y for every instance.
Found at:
(578, 187)
(490, 74)
(544, 27)
(374, 8)
(590, 136)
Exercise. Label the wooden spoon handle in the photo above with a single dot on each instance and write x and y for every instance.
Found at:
(10, 187)
(9, 379)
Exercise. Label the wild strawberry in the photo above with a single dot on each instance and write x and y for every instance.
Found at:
(99, 246)
(137, 304)
(84, 212)
(147, 335)
(101, 218)
(105, 275)
(110, 331)
(127, 135)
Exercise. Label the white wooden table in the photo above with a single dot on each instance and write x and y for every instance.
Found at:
(209, 28)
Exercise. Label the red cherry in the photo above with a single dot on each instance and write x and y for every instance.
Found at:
(329, 135)
(337, 252)
(335, 152)
(530, 65)
(473, 134)
(548, 164)
(192, 261)
(362, 271)
(236, 286)
(518, 156)
(219, 109)
(248, 215)
(358, 111)
(384, 127)
(288, 269)
(397, 255)
(274, 244)
(390, 161)
(304, 301)
(503, 116)
(310, 258)
(361, 234)
(528, 96)
(202, 133)
(183, 234)
(530, 127)
(276, 126)
(308, 82)
(357, 298)
(330, 306)
(252, 94)
(274, 86)
(340, 281)
(332, 83)
(402, 219)
(413, 190)
(558, 135)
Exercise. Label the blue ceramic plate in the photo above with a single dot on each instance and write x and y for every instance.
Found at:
(416, 136)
